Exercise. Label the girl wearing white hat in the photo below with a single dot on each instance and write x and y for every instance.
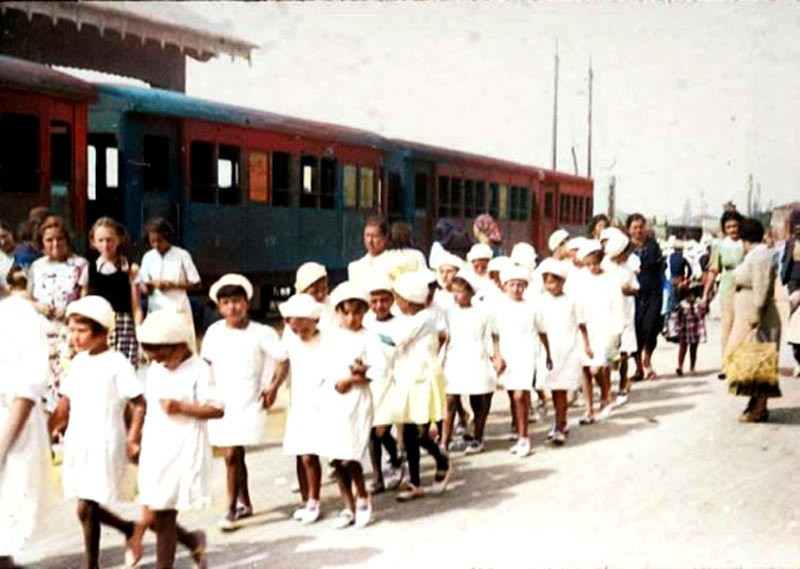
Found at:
(478, 257)
(311, 278)
(468, 355)
(175, 461)
(569, 341)
(419, 389)
(243, 355)
(521, 330)
(98, 386)
(605, 319)
(303, 342)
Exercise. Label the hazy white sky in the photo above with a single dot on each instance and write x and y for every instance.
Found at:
(689, 98)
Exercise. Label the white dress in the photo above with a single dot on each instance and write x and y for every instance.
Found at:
(348, 416)
(95, 459)
(467, 363)
(175, 462)
(626, 277)
(563, 315)
(518, 323)
(24, 489)
(242, 362)
(308, 368)
(382, 388)
(604, 310)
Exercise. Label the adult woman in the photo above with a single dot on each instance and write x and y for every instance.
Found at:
(790, 276)
(725, 257)
(596, 226)
(648, 300)
(6, 251)
(754, 315)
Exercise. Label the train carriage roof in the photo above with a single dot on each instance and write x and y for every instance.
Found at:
(22, 75)
(170, 103)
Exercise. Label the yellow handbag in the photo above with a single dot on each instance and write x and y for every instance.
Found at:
(753, 366)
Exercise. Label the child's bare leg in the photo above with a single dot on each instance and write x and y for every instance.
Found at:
(302, 479)
(453, 401)
(560, 406)
(166, 538)
(624, 381)
(522, 404)
(681, 356)
(604, 378)
(357, 479)
(375, 457)
(480, 407)
(90, 522)
(313, 472)
(692, 356)
(588, 392)
(511, 408)
(345, 484)
(233, 478)
(244, 489)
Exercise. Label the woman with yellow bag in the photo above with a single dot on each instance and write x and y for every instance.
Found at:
(751, 363)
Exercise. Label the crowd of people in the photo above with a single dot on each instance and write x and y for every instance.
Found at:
(406, 355)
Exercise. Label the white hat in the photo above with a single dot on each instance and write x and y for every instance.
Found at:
(468, 275)
(95, 308)
(426, 275)
(616, 244)
(588, 247)
(301, 305)
(524, 254)
(449, 259)
(411, 287)
(610, 233)
(557, 238)
(515, 273)
(164, 327)
(496, 264)
(377, 283)
(575, 243)
(553, 267)
(307, 274)
(348, 290)
(231, 279)
(479, 251)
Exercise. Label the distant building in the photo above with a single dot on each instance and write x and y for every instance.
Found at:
(779, 222)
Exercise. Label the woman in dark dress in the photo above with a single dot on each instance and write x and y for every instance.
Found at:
(648, 301)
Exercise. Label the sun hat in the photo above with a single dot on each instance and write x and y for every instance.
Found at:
(164, 327)
(557, 238)
(515, 273)
(348, 290)
(479, 251)
(231, 279)
(95, 308)
(554, 267)
(588, 247)
(524, 254)
(307, 274)
(301, 305)
(412, 288)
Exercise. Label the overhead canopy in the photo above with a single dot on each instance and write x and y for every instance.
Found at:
(196, 40)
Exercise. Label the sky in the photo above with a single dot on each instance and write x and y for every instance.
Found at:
(689, 99)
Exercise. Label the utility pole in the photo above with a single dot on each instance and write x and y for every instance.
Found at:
(555, 108)
(749, 194)
(612, 197)
(589, 121)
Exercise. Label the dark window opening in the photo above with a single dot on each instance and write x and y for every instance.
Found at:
(228, 174)
(281, 177)
(61, 169)
(19, 153)
(444, 196)
(309, 182)
(421, 191)
(589, 209)
(469, 198)
(155, 171)
(327, 183)
(395, 197)
(494, 200)
(548, 205)
(456, 197)
(480, 198)
(201, 172)
(513, 202)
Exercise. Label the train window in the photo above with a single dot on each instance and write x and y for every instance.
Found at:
(350, 183)
(91, 172)
(421, 191)
(562, 208)
(589, 208)
(396, 206)
(513, 202)
(494, 200)
(201, 171)
(578, 209)
(502, 202)
(258, 176)
(525, 205)
(444, 196)
(155, 174)
(228, 175)
(327, 183)
(366, 187)
(309, 180)
(480, 197)
(469, 198)
(281, 177)
(112, 168)
(19, 153)
(456, 197)
(548, 205)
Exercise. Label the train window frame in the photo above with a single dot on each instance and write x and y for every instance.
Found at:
(229, 194)
(258, 178)
(443, 186)
(281, 171)
(469, 199)
(308, 181)
(421, 191)
(494, 200)
(480, 198)
(366, 188)
(548, 204)
(328, 173)
(350, 186)
(524, 193)
(456, 198)
(513, 202)
(502, 202)
(562, 209)
(28, 171)
(202, 172)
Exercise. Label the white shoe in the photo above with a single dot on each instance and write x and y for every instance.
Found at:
(363, 513)
(393, 478)
(344, 520)
(409, 493)
(797, 371)
(299, 513)
(440, 486)
(522, 448)
(604, 413)
(310, 515)
(620, 400)
(226, 524)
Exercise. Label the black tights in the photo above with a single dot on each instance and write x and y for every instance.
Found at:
(414, 437)
(796, 352)
(380, 438)
(92, 515)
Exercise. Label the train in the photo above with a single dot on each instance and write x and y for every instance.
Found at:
(248, 190)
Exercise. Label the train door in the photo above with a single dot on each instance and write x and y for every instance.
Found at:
(395, 205)
(548, 210)
(104, 194)
(424, 204)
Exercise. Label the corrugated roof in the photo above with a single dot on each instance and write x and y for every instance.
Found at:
(174, 26)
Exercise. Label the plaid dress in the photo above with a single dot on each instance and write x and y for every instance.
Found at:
(686, 323)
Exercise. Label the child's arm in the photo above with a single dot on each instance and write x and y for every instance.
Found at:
(346, 384)
(546, 344)
(497, 357)
(585, 334)
(59, 420)
(278, 377)
(134, 439)
(191, 409)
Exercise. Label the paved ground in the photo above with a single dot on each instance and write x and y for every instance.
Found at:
(671, 480)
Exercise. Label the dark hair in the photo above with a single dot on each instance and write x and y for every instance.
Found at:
(794, 218)
(231, 290)
(351, 303)
(94, 326)
(53, 222)
(26, 231)
(379, 222)
(463, 283)
(16, 278)
(162, 227)
(401, 236)
(38, 214)
(751, 230)
(730, 215)
(4, 226)
(634, 217)
(595, 220)
(114, 225)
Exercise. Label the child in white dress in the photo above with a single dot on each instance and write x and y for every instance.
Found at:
(468, 358)
(243, 357)
(521, 330)
(569, 341)
(603, 307)
(312, 279)
(353, 359)
(381, 321)
(303, 341)
(99, 384)
(175, 461)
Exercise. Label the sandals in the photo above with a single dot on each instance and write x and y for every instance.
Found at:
(587, 420)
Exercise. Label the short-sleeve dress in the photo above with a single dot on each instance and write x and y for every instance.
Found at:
(175, 461)
(24, 488)
(518, 323)
(242, 362)
(382, 388)
(57, 284)
(605, 316)
(95, 461)
(467, 363)
(626, 277)
(303, 424)
(348, 416)
(563, 315)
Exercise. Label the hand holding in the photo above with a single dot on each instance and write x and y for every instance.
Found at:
(171, 406)
(342, 386)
